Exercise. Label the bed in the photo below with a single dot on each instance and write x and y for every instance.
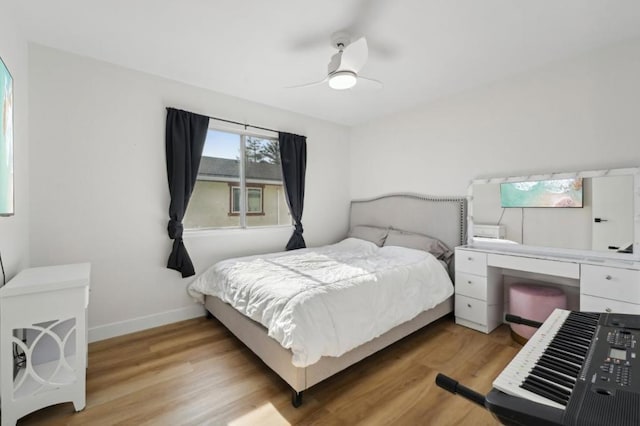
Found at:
(303, 365)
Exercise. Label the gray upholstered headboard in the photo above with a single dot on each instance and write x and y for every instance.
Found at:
(444, 218)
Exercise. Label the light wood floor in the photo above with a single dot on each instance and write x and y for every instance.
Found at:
(195, 372)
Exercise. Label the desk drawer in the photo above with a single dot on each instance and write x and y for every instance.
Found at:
(611, 283)
(471, 309)
(538, 266)
(599, 304)
(471, 285)
(471, 262)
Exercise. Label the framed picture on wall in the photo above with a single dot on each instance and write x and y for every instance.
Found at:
(6, 141)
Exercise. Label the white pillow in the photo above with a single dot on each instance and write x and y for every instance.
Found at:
(418, 242)
(369, 233)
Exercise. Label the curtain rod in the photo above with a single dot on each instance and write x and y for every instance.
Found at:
(235, 122)
(243, 124)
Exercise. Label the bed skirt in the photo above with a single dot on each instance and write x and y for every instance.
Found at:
(255, 337)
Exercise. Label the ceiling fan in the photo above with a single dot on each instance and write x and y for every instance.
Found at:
(345, 65)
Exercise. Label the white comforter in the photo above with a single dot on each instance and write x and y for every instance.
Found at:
(326, 301)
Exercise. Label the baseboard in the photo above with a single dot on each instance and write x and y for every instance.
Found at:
(114, 329)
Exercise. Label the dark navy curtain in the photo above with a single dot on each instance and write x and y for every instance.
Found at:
(186, 133)
(293, 156)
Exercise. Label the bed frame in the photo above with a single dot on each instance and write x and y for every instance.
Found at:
(441, 217)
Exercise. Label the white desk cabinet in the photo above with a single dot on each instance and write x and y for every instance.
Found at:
(478, 295)
(51, 304)
(608, 289)
(604, 285)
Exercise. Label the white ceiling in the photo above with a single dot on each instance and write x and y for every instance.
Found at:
(421, 49)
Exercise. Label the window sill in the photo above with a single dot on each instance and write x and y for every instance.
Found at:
(206, 232)
(248, 214)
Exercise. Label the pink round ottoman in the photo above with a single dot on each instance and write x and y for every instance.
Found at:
(535, 303)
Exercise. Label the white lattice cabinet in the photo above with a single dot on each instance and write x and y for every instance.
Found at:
(51, 304)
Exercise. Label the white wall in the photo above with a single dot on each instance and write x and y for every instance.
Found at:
(98, 179)
(580, 114)
(99, 186)
(14, 231)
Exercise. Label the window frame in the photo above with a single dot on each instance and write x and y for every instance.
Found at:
(233, 186)
(244, 134)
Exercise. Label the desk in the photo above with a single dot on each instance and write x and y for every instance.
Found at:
(480, 295)
(51, 304)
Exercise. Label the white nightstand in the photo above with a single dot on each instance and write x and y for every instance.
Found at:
(51, 304)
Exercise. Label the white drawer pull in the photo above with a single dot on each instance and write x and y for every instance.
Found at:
(608, 277)
(608, 309)
(470, 259)
(468, 305)
(468, 282)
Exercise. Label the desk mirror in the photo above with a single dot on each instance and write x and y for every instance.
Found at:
(589, 213)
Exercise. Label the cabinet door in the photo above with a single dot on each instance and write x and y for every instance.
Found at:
(600, 304)
(611, 283)
(471, 309)
(471, 285)
(471, 262)
(612, 206)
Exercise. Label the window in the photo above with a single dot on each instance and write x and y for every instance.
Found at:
(253, 202)
(239, 183)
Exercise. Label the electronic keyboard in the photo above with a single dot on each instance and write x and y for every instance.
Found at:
(577, 369)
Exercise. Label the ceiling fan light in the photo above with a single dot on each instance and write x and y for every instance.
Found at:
(341, 80)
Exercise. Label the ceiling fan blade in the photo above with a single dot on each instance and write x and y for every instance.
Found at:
(382, 49)
(309, 42)
(366, 13)
(369, 83)
(315, 83)
(355, 55)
